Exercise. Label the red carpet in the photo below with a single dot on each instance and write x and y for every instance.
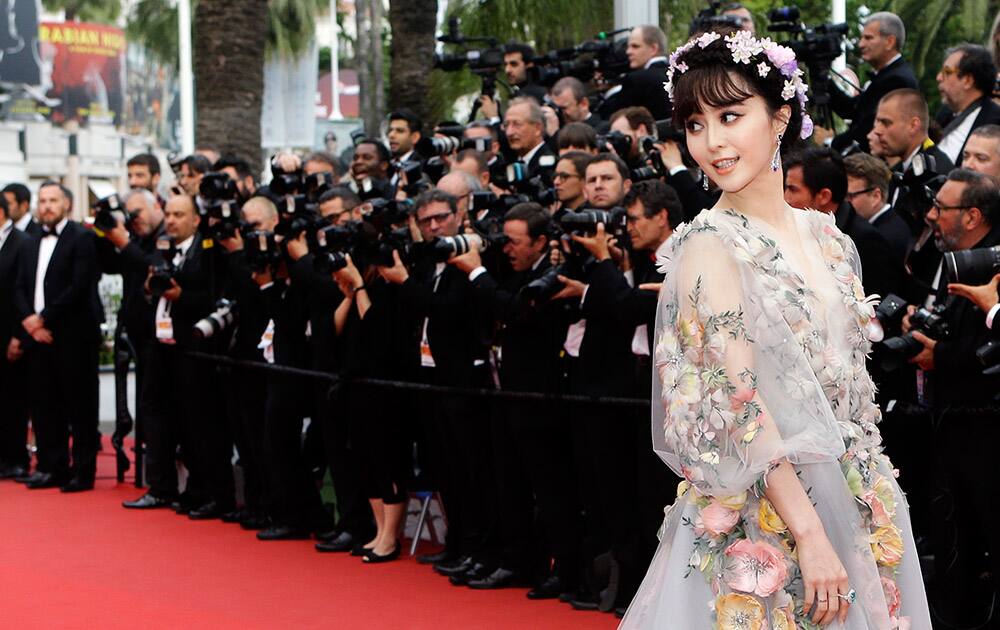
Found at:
(82, 561)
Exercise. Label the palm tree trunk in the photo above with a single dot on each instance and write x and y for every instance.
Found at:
(413, 23)
(229, 42)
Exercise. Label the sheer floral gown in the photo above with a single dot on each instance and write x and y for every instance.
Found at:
(760, 356)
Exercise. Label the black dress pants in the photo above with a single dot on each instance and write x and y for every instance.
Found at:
(63, 386)
(539, 510)
(294, 498)
(14, 412)
(177, 410)
(354, 514)
(246, 392)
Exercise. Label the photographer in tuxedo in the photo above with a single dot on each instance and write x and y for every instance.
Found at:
(451, 333)
(60, 313)
(531, 444)
(14, 458)
(174, 399)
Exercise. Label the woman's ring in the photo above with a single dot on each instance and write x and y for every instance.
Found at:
(849, 597)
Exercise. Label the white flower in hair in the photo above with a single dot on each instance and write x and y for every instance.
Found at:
(763, 69)
(707, 38)
(789, 90)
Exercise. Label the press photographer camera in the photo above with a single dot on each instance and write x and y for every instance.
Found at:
(217, 321)
(220, 202)
(109, 212)
(900, 347)
(163, 270)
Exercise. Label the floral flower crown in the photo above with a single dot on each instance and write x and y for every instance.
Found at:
(745, 49)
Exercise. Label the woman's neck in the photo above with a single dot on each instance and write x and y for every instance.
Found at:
(763, 199)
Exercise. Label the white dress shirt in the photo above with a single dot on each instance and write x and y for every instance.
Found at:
(23, 222)
(45, 249)
(163, 306)
(951, 145)
(5, 231)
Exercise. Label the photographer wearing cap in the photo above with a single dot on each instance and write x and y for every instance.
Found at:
(881, 47)
(450, 333)
(961, 397)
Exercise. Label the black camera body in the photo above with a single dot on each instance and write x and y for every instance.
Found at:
(617, 141)
(220, 205)
(109, 211)
(902, 348)
(262, 249)
(163, 270)
(217, 321)
(972, 266)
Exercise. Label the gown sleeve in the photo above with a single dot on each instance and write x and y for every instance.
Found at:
(734, 393)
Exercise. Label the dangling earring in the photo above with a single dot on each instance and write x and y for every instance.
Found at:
(704, 181)
(776, 160)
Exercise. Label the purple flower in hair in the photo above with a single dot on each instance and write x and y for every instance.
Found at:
(783, 58)
(807, 126)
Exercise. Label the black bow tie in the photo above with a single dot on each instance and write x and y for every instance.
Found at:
(47, 231)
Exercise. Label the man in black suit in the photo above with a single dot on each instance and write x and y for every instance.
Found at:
(60, 313)
(963, 402)
(524, 126)
(570, 96)
(403, 133)
(966, 82)
(450, 332)
(881, 42)
(643, 85)
(600, 363)
(14, 458)
(654, 210)
(815, 179)
(531, 445)
(517, 60)
(18, 198)
(867, 190)
(174, 402)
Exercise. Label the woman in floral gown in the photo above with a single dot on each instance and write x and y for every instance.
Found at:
(789, 515)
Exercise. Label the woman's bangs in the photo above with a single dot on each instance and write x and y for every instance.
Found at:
(707, 86)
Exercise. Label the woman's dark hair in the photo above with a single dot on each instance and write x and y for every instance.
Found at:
(713, 79)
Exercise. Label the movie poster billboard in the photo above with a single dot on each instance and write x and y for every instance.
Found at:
(87, 71)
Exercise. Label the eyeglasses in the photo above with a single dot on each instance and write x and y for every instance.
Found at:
(440, 218)
(948, 71)
(851, 195)
(937, 205)
(558, 175)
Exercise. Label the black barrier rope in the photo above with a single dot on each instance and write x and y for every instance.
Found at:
(421, 387)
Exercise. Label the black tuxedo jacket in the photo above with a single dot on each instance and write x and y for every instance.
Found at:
(196, 279)
(531, 336)
(531, 90)
(881, 272)
(642, 88)
(861, 109)
(694, 198)
(33, 227)
(629, 305)
(543, 159)
(132, 263)
(72, 306)
(989, 114)
(913, 206)
(896, 233)
(9, 256)
(456, 328)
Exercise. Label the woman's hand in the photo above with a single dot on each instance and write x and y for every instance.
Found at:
(824, 577)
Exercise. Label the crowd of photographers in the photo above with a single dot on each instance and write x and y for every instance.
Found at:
(512, 254)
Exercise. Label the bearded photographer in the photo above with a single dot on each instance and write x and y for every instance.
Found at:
(450, 335)
(532, 454)
(175, 396)
(961, 398)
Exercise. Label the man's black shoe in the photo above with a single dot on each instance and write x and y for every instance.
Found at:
(501, 578)
(551, 587)
(206, 512)
(146, 502)
(78, 485)
(236, 516)
(13, 472)
(477, 571)
(46, 480)
(28, 478)
(436, 558)
(283, 532)
(343, 541)
(583, 604)
(454, 567)
(252, 523)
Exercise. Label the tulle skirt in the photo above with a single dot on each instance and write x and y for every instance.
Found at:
(667, 599)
